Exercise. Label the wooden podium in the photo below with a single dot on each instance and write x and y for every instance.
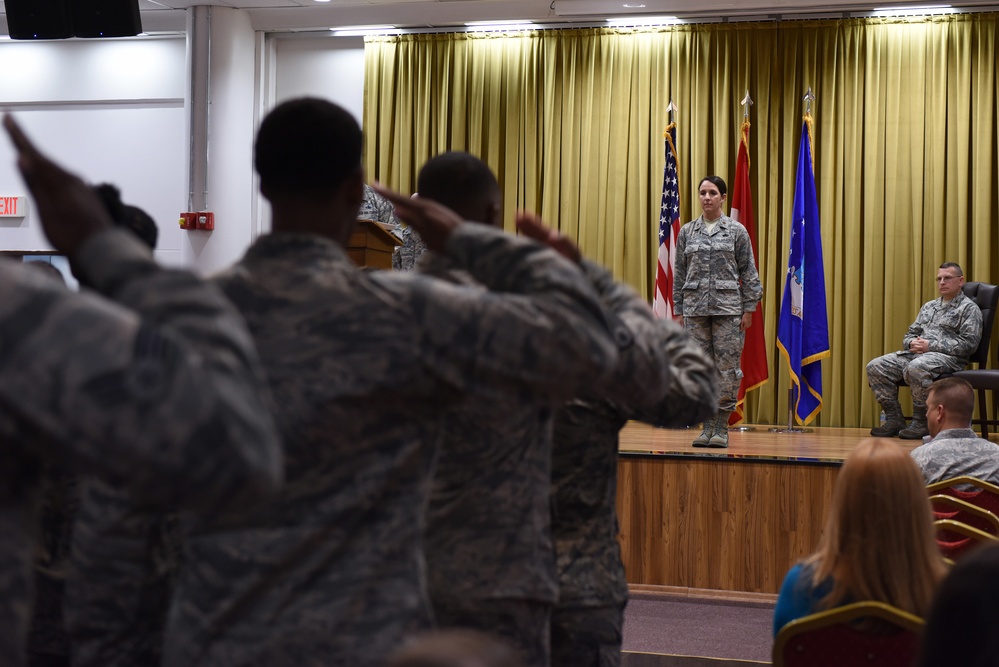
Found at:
(371, 245)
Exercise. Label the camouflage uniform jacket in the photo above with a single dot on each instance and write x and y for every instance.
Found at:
(362, 364)
(407, 256)
(58, 502)
(714, 273)
(488, 525)
(123, 562)
(161, 397)
(377, 208)
(952, 327)
(957, 452)
(584, 462)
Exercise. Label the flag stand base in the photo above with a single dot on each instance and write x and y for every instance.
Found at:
(791, 428)
(741, 429)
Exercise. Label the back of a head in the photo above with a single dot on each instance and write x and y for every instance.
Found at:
(456, 648)
(961, 625)
(307, 147)
(879, 542)
(130, 217)
(464, 184)
(957, 396)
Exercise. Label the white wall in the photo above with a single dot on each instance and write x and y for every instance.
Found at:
(230, 159)
(114, 111)
(320, 66)
(110, 110)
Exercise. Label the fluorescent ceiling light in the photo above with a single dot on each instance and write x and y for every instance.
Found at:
(913, 10)
(361, 30)
(644, 20)
(633, 6)
(502, 22)
(498, 26)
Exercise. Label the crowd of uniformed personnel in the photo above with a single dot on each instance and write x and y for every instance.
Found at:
(299, 462)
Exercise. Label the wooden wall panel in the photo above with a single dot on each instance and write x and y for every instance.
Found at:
(725, 524)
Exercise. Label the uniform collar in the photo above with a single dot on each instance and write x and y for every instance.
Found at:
(306, 248)
(958, 298)
(955, 433)
(723, 223)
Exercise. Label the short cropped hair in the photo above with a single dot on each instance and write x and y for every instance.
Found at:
(307, 146)
(460, 181)
(952, 265)
(955, 394)
(718, 181)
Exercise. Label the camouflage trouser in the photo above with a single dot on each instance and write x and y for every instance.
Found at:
(525, 624)
(918, 370)
(587, 636)
(720, 337)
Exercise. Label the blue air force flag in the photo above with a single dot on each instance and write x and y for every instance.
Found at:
(803, 328)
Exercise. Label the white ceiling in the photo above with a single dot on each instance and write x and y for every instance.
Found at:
(313, 15)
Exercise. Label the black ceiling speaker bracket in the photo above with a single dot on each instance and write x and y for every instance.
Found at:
(59, 19)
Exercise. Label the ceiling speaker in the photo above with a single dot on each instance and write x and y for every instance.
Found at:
(106, 18)
(59, 19)
(38, 19)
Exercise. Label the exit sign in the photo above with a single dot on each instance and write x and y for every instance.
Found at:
(13, 207)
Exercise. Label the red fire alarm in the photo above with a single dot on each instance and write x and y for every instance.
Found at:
(203, 220)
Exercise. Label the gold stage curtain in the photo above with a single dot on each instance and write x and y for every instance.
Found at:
(572, 120)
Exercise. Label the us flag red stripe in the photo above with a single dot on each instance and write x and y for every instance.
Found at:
(669, 228)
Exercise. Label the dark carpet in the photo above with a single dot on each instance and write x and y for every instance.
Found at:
(685, 626)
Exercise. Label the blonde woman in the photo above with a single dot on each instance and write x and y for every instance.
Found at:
(878, 544)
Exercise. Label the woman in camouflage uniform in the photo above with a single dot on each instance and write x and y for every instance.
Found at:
(715, 291)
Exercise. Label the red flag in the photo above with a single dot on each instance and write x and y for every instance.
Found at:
(754, 352)
(669, 228)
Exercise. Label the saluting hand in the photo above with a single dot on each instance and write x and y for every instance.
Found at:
(70, 210)
(532, 227)
(433, 221)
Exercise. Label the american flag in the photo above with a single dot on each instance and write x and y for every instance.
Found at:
(669, 229)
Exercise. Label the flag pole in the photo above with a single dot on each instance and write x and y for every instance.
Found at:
(669, 223)
(791, 428)
(809, 97)
(746, 102)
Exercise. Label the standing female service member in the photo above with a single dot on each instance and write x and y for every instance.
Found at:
(715, 291)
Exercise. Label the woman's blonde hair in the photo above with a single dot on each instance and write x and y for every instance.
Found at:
(879, 541)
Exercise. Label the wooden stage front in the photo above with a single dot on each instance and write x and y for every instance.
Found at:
(731, 519)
